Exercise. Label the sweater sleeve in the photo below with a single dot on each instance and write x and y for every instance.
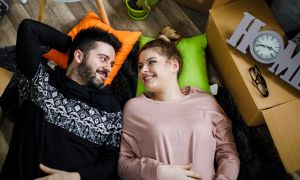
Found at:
(130, 166)
(226, 155)
(31, 35)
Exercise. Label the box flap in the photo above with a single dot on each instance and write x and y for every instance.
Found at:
(284, 125)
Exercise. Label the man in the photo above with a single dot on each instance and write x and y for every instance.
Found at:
(68, 124)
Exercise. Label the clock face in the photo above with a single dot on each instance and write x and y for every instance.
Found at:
(266, 46)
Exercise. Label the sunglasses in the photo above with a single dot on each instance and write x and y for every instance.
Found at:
(259, 81)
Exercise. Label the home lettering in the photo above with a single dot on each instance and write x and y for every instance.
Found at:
(285, 64)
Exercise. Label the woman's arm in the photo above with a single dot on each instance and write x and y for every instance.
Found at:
(226, 155)
(130, 166)
(31, 35)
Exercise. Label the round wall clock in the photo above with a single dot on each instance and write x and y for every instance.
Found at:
(266, 46)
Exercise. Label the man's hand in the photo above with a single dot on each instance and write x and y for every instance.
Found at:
(55, 174)
(176, 172)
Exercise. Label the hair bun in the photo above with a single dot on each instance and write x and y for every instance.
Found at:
(168, 33)
(165, 38)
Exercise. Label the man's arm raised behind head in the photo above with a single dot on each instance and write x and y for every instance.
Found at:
(31, 35)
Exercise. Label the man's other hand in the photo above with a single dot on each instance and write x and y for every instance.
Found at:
(55, 174)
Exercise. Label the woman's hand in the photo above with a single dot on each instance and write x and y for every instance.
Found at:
(176, 172)
(55, 174)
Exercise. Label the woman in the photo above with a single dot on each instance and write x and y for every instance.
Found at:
(171, 133)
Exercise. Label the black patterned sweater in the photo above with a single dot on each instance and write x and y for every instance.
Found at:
(58, 122)
(65, 126)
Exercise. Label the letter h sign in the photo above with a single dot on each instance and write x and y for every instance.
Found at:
(267, 47)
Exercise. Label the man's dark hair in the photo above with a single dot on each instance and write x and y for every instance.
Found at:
(86, 40)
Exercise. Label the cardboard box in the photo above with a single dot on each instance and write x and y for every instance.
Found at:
(219, 3)
(233, 65)
(5, 77)
(280, 110)
(283, 122)
(203, 5)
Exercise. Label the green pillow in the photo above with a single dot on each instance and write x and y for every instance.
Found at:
(193, 71)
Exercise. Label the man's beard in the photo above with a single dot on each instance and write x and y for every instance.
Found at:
(86, 74)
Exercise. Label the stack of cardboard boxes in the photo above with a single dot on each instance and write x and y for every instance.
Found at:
(281, 109)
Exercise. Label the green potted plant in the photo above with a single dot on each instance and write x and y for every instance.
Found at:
(139, 9)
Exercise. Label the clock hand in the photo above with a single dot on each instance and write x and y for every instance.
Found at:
(259, 44)
(266, 46)
(262, 45)
(270, 47)
(273, 50)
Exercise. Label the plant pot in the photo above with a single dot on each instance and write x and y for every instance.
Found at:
(152, 2)
(136, 14)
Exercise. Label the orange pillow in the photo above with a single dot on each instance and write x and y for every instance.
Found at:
(127, 38)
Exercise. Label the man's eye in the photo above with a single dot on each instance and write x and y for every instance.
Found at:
(103, 59)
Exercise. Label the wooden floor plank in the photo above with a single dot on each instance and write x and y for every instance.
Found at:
(180, 21)
(197, 18)
(32, 8)
(6, 129)
(120, 20)
(110, 10)
(17, 13)
(80, 9)
(7, 31)
(3, 149)
(64, 20)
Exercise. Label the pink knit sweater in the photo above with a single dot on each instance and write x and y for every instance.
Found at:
(192, 129)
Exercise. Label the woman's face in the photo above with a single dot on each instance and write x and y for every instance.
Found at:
(155, 70)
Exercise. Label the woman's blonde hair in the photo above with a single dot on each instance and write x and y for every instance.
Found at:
(166, 42)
